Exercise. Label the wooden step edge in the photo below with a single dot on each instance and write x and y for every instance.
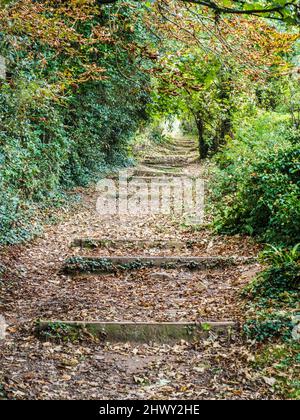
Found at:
(136, 331)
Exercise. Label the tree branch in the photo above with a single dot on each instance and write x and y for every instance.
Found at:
(225, 10)
(293, 5)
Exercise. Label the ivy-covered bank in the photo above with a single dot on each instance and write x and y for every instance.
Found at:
(256, 191)
(256, 187)
(72, 98)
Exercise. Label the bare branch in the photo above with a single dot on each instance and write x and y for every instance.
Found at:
(210, 4)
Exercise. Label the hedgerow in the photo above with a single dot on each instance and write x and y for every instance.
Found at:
(64, 122)
(256, 187)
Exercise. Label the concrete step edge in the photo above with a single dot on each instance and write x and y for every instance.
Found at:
(136, 331)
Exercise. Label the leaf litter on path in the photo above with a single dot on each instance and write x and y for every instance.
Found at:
(33, 288)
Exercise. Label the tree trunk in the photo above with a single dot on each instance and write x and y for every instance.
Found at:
(225, 124)
(223, 130)
(203, 146)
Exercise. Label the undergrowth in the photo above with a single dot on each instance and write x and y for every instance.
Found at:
(59, 129)
(63, 333)
(256, 184)
(273, 312)
(256, 192)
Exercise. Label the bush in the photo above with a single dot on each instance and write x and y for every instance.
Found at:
(46, 148)
(260, 176)
(282, 275)
(57, 132)
(274, 295)
(269, 328)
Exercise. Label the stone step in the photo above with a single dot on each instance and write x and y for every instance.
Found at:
(144, 332)
(184, 145)
(179, 151)
(167, 179)
(108, 264)
(165, 165)
(143, 195)
(170, 153)
(183, 140)
(169, 169)
(93, 243)
(146, 171)
(151, 173)
(149, 192)
(172, 160)
(170, 163)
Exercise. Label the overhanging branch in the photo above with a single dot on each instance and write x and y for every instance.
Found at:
(295, 4)
(228, 10)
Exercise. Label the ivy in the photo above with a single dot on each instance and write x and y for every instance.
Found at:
(69, 107)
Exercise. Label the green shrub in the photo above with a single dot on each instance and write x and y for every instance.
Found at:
(256, 188)
(269, 327)
(50, 140)
(274, 295)
(282, 275)
(281, 361)
(156, 135)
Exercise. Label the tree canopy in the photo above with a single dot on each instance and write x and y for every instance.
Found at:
(85, 75)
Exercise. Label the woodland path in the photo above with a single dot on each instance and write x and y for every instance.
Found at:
(216, 366)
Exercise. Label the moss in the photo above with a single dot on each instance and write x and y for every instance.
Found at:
(61, 332)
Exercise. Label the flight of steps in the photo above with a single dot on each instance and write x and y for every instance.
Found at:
(170, 163)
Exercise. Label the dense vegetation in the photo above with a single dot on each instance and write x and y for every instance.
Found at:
(69, 105)
(259, 180)
(77, 89)
(256, 191)
(82, 78)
